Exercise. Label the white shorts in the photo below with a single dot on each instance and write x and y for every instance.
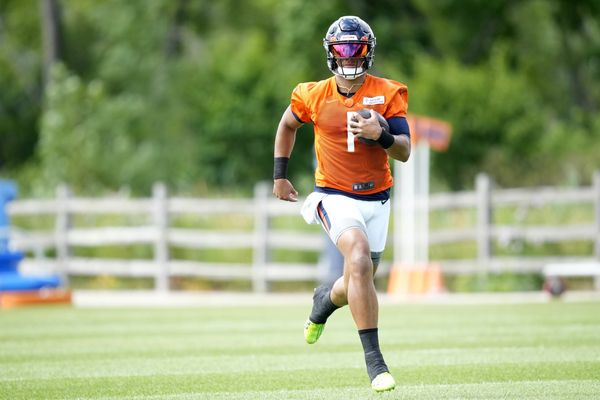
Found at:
(337, 213)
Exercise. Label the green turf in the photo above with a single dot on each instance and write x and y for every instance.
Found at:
(517, 351)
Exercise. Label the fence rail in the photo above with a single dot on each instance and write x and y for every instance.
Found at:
(156, 230)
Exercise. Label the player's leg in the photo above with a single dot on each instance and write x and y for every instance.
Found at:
(362, 300)
(358, 278)
(357, 282)
(342, 218)
(338, 289)
(377, 227)
(322, 308)
(336, 214)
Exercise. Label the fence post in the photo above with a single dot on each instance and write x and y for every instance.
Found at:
(596, 186)
(161, 245)
(260, 255)
(484, 217)
(62, 226)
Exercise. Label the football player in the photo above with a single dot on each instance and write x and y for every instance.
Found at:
(352, 176)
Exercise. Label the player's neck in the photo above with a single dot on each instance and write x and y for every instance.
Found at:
(347, 86)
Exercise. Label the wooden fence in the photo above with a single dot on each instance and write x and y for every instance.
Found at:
(157, 231)
(486, 201)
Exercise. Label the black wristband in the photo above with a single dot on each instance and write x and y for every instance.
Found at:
(280, 167)
(386, 140)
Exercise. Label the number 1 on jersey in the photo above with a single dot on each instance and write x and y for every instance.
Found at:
(350, 137)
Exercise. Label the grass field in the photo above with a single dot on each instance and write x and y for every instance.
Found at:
(516, 351)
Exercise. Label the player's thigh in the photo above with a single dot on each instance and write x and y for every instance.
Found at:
(338, 214)
(354, 245)
(377, 225)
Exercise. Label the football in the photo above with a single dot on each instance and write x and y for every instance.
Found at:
(366, 113)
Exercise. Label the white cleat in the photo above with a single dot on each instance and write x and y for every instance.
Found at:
(383, 382)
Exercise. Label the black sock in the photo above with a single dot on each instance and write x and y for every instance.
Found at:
(373, 358)
(323, 307)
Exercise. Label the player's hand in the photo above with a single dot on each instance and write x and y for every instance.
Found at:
(367, 128)
(284, 190)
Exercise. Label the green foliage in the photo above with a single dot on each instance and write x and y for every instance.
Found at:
(19, 80)
(504, 282)
(85, 134)
(109, 282)
(190, 93)
(485, 105)
(139, 252)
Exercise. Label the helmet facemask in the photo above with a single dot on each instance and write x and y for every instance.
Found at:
(349, 60)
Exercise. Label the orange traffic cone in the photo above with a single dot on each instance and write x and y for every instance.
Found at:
(418, 280)
(398, 282)
(415, 279)
(435, 279)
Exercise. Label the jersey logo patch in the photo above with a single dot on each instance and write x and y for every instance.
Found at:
(369, 101)
(363, 186)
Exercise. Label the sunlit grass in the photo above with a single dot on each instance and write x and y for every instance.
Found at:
(516, 351)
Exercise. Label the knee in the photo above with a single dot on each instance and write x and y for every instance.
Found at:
(360, 265)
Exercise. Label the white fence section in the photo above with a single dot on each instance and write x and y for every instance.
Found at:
(262, 239)
(485, 200)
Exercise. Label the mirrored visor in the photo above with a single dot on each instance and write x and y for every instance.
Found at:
(347, 50)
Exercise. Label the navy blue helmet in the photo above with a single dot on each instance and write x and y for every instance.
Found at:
(350, 47)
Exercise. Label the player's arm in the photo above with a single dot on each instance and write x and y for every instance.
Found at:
(400, 148)
(396, 142)
(284, 144)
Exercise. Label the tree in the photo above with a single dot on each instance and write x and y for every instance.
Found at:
(51, 32)
(20, 96)
(191, 92)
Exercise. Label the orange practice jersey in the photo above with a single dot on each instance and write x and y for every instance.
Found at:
(343, 162)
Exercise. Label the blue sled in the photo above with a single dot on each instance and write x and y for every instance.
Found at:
(15, 282)
(9, 261)
(11, 280)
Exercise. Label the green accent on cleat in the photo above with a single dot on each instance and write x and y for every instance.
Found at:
(383, 382)
(312, 331)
